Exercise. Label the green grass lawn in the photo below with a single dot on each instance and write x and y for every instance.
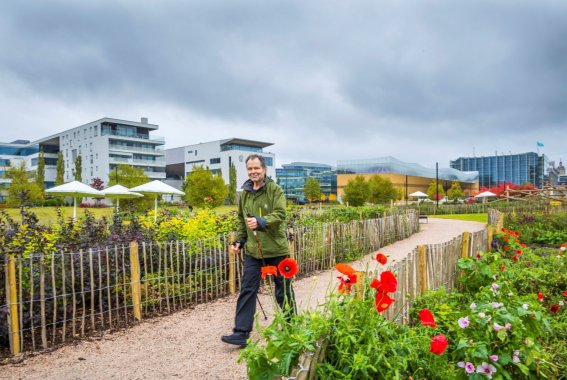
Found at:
(483, 218)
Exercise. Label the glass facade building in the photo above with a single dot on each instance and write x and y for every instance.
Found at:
(390, 165)
(291, 178)
(518, 169)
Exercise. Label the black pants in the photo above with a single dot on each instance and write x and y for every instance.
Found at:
(246, 304)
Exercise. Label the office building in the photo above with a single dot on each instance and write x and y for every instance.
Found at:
(103, 145)
(494, 170)
(407, 177)
(217, 156)
(291, 178)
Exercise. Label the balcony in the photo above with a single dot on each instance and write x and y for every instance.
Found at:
(131, 149)
(135, 136)
(159, 161)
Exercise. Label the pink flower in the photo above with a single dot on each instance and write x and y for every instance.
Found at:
(497, 327)
(494, 358)
(515, 359)
(469, 367)
(508, 326)
(487, 369)
(464, 322)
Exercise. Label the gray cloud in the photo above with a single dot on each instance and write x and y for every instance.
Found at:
(322, 80)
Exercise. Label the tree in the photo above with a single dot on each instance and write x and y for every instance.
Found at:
(356, 191)
(40, 173)
(78, 171)
(60, 176)
(128, 176)
(203, 189)
(232, 184)
(431, 193)
(455, 192)
(312, 190)
(97, 184)
(22, 188)
(382, 190)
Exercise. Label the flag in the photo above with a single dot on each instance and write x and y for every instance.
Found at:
(539, 144)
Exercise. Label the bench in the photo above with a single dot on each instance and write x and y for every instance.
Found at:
(424, 218)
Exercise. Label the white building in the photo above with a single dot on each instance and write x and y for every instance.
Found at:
(218, 156)
(103, 145)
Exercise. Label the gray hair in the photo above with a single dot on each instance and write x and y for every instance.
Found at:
(260, 158)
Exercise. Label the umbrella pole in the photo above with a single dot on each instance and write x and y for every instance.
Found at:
(74, 208)
(117, 204)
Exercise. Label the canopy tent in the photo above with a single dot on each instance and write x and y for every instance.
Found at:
(156, 188)
(76, 190)
(418, 194)
(119, 192)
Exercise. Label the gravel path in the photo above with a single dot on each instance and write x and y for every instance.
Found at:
(186, 345)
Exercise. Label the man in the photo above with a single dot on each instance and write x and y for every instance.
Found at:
(262, 230)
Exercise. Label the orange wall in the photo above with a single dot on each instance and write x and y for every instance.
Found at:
(414, 183)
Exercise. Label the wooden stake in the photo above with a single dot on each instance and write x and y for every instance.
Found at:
(422, 269)
(13, 321)
(465, 244)
(231, 265)
(135, 279)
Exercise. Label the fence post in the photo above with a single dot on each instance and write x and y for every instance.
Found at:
(490, 236)
(500, 221)
(231, 265)
(13, 320)
(359, 286)
(135, 279)
(465, 246)
(422, 269)
(291, 243)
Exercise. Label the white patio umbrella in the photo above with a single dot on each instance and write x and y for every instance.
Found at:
(76, 190)
(156, 188)
(418, 194)
(484, 195)
(119, 192)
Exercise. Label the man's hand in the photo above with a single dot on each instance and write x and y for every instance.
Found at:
(252, 223)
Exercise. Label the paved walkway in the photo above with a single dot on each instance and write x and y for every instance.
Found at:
(186, 345)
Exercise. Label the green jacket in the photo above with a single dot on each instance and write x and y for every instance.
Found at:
(268, 206)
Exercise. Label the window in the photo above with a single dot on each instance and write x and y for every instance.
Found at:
(189, 152)
(215, 161)
(269, 161)
(96, 130)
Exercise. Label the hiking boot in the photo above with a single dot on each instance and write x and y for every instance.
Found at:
(237, 338)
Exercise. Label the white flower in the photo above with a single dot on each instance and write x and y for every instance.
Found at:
(515, 359)
(496, 305)
(510, 294)
(482, 315)
(561, 303)
(562, 248)
(525, 306)
(473, 305)
(461, 364)
(464, 322)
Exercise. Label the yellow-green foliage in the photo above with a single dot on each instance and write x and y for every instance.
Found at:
(204, 225)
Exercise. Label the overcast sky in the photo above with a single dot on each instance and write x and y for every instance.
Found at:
(423, 81)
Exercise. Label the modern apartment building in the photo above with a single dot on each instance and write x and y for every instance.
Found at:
(12, 155)
(494, 170)
(103, 145)
(408, 177)
(291, 178)
(217, 156)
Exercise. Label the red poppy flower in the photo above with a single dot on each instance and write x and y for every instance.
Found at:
(345, 269)
(540, 296)
(389, 281)
(381, 258)
(376, 284)
(478, 256)
(523, 245)
(426, 318)
(519, 252)
(383, 301)
(438, 344)
(506, 247)
(288, 267)
(269, 270)
(346, 283)
(554, 308)
(506, 239)
(565, 293)
(515, 258)
(564, 245)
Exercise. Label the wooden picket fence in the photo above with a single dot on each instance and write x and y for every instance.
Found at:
(54, 299)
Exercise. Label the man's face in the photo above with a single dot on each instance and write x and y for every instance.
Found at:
(256, 172)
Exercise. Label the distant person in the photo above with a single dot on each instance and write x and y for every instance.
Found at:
(262, 208)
